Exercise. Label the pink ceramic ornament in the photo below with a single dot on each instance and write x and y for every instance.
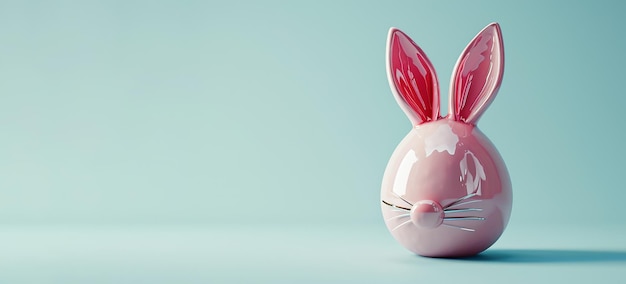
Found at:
(446, 191)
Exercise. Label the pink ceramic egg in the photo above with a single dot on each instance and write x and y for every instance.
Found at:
(446, 191)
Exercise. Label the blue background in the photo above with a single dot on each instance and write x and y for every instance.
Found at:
(204, 114)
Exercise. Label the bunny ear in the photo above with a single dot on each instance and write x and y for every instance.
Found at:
(477, 75)
(412, 78)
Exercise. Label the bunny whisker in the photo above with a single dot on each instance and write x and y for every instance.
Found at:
(398, 195)
(461, 210)
(459, 200)
(396, 206)
(468, 218)
(462, 203)
(398, 217)
(459, 227)
(404, 223)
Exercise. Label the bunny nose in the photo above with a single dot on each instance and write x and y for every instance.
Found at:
(427, 214)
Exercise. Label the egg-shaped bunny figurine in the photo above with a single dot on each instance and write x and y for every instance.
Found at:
(446, 191)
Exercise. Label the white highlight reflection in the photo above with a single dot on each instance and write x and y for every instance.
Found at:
(402, 177)
(472, 180)
(442, 139)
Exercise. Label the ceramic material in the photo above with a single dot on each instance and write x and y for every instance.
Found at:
(446, 191)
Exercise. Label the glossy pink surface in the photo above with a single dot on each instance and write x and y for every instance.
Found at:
(446, 191)
(446, 161)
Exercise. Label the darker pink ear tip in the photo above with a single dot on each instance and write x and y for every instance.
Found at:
(396, 32)
(495, 27)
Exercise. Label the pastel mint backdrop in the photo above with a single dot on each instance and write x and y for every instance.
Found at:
(204, 112)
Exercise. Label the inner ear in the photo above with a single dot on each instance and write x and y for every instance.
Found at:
(412, 78)
(477, 75)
